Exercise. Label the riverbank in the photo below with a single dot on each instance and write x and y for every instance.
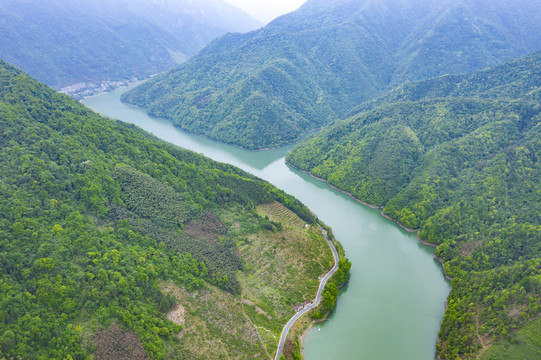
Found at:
(301, 326)
(375, 207)
(315, 304)
(311, 323)
(304, 329)
(293, 142)
(387, 264)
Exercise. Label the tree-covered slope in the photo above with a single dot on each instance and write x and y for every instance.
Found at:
(462, 169)
(99, 220)
(64, 43)
(307, 68)
(513, 80)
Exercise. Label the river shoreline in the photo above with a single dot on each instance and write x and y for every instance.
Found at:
(326, 277)
(302, 136)
(308, 133)
(375, 207)
(314, 322)
(382, 321)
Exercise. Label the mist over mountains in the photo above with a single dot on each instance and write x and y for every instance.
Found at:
(62, 43)
(312, 66)
(429, 109)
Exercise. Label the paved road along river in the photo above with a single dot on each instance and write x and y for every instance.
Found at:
(314, 304)
(393, 305)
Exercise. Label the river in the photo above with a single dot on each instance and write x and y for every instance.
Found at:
(394, 303)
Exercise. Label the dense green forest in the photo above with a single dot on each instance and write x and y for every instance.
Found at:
(458, 159)
(310, 67)
(97, 215)
(515, 80)
(64, 43)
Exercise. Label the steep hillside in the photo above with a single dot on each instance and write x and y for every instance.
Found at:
(117, 245)
(81, 43)
(463, 169)
(514, 80)
(307, 68)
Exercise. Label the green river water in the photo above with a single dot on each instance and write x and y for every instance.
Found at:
(394, 303)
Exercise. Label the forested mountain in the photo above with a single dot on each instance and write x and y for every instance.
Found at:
(458, 159)
(514, 80)
(64, 43)
(115, 244)
(307, 68)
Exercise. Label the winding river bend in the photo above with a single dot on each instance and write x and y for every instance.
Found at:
(393, 305)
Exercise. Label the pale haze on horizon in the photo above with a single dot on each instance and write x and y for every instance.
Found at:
(267, 10)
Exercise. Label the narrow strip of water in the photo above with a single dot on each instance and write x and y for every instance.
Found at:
(394, 303)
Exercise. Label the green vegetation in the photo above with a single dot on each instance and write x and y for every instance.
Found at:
(513, 80)
(286, 265)
(97, 215)
(281, 271)
(462, 169)
(292, 349)
(330, 292)
(78, 41)
(525, 344)
(308, 68)
(215, 324)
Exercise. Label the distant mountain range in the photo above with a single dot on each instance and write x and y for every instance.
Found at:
(456, 158)
(305, 69)
(79, 42)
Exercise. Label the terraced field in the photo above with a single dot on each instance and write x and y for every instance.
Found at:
(279, 213)
(281, 270)
(524, 345)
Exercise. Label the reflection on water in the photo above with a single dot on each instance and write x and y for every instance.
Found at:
(165, 130)
(394, 302)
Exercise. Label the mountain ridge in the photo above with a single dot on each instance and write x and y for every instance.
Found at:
(64, 44)
(456, 158)
(310, 67)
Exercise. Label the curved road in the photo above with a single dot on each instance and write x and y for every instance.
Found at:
(314, 304)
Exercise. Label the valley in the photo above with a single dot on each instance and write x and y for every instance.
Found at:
(179, 182)
(454, 158)
(114, 243)
(85, 47)
(395, 298)
(311, 67)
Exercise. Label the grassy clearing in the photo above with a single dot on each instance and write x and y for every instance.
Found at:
(525, 344)
(281, 269)
(215, 326)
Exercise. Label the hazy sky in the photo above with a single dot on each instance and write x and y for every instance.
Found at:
(266, 10)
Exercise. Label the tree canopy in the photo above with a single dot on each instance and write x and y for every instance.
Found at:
(306, 69)
(457, 159)
(93, 214)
